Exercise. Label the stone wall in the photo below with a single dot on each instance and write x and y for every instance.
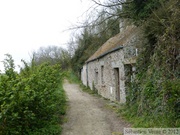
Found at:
(101, 75)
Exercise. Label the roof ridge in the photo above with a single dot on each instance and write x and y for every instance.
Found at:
(113, 43)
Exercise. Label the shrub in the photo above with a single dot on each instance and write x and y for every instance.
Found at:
(31, 100)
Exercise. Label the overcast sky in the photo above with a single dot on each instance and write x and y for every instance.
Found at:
(26, 25)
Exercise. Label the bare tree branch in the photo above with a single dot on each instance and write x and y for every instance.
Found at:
(114, 3)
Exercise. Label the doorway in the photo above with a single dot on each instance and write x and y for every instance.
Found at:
(117, 83)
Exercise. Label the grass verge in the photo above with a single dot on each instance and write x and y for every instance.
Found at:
(72, 77)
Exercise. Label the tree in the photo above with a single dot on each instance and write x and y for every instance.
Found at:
(53, 55)
(91, 37)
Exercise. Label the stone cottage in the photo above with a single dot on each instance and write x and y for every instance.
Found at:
(112, 66)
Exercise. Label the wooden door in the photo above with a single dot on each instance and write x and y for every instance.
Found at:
(117, 83)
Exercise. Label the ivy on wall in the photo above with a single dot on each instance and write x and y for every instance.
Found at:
(155, 91)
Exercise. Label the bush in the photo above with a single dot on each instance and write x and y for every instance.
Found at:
(31, 100)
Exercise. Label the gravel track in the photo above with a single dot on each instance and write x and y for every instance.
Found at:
(90, 115)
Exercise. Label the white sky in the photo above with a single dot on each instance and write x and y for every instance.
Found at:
(26, 25)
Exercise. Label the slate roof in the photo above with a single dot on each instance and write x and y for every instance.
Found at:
(115, 43)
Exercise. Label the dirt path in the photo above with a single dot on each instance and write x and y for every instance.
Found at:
(89, 115)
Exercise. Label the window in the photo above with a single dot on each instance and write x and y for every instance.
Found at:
(102, 74)
(130, 73)
(96, 76)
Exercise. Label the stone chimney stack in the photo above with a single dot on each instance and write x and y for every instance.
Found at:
(122, 22)
(121, 25)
